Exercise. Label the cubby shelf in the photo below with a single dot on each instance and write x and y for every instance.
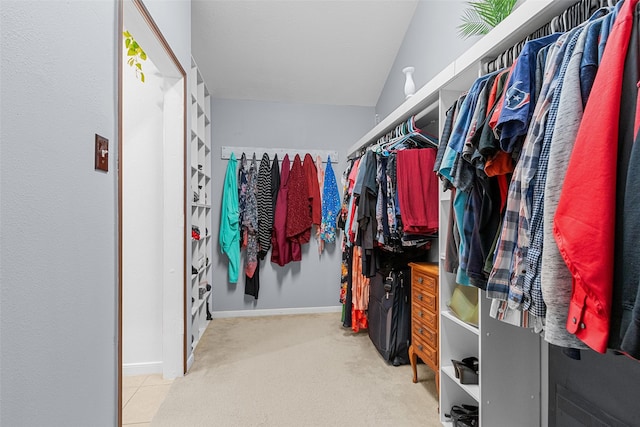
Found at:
(200, 184)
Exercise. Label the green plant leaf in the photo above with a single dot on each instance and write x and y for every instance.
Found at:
(135, 54)
(482, 15)
(126, 34)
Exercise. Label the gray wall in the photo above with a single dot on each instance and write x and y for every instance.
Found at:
(313, 282)
(430, 44)
(58, 305)
(58, 216)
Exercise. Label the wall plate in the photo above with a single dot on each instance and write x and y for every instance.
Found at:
(102, 153)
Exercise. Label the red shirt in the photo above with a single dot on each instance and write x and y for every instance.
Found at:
(584, 224)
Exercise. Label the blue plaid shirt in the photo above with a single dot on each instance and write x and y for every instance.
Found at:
(506, 281)
(533, 300)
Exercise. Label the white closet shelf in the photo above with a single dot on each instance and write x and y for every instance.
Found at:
(472, 390)
(203, 300)
(452, 317)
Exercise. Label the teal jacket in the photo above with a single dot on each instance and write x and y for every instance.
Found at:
(229, 220)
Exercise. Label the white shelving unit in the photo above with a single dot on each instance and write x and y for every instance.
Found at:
(513, 370)
(199, 198)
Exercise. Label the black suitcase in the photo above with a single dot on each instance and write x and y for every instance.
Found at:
(390, 315)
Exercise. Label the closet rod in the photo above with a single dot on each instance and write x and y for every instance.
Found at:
(582, 9)
(225, 153)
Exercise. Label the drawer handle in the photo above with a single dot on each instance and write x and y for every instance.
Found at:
(420, 280)
(420, 347)
(420, 297)
(420, 331)
(420, 314)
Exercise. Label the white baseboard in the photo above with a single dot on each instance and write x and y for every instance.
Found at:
(276, 312)
(146, 368)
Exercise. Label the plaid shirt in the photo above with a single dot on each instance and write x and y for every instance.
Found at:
(506, 281)
(533, 300)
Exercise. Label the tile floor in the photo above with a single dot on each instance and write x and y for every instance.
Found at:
(142, 396)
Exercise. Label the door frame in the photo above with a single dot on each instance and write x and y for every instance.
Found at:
(153, 27)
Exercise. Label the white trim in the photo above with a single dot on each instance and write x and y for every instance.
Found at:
(276, 312)
(190, 361)
(144, 368)
(225, 153)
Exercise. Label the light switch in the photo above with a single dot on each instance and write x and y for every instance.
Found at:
(102, 153)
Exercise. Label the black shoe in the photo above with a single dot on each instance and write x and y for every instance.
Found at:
(466, 370)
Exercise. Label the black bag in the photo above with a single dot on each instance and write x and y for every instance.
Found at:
(463, 415)
(390, 315)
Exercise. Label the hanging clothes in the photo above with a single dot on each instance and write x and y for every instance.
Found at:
(275, 185)
(250, 221)
(298, 209)
(311, 173)
(392, 207)
(229, 224)
(281, 247)
(320, 186)
(367, 188)
(418, 190)
(252, 284)
(352, 204)
(360, 293)
(242, 194)
(546, 270)
(265, 207)
(330, 205)
(346, 286)
(591, 187)
(506, 282)
(519, 99)
(321, 173)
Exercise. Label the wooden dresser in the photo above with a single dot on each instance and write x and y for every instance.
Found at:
(424, 317)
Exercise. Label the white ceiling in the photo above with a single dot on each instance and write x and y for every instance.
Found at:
(335, 52)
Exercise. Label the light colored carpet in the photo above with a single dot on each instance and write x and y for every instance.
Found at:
(297, 370)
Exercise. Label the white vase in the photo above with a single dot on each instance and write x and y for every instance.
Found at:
(409, 85)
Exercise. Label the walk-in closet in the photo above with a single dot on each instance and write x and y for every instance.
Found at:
(320, 212)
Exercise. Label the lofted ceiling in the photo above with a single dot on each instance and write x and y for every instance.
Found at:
(336, 52)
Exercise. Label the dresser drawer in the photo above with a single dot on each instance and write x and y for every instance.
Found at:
(423, 282)
(425, 334)
(422, 316)
(428, 354)
(426, 300)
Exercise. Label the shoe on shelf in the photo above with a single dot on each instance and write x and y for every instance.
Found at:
(194, 270)
(466, 370)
